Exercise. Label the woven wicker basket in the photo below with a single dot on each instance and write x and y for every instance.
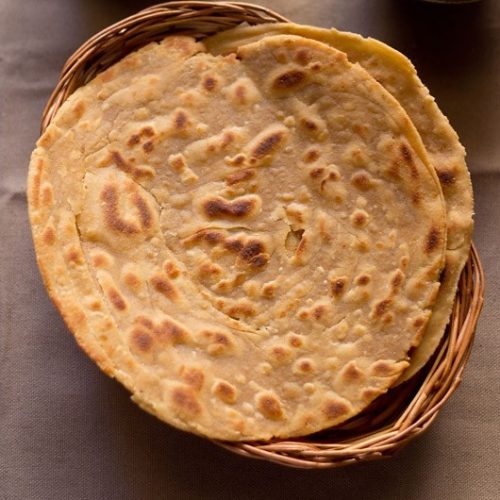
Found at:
(405, 411)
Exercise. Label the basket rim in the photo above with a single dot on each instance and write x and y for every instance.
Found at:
(442, 376)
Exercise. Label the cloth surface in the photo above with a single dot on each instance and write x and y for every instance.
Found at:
(69, 432)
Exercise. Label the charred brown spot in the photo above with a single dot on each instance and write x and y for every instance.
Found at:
(219, 207)
(212, 237)
(225, 391)
(209, 83)
(171, 333)
(121, 163)
(295, 341)
(361, 181)
(318, 312)
(148, 146)
(109, 197)
(359, 218)
(335, 409)
(185, 400)
(240, 176)
(116, 299)
(419, 322)
(408, 159)
(311, 155)
(194, 377)
(267, 145)
(233, 245)
(251, 249)
(289, 79)
(145, 215)
(171, 270)
(240, 92)
(316, 172)
(144, 321)
(397, 279)
(309, 124)
(241, 310)
(180, 120)
(432, 241)
(75, 256)
(384, 368)
(337, 286)
(49, 235)
(303, 56)
(381, 308)
(259, 261)
(134, 140)
(270, 406)
(305, 366)
(446, 177)
(147, 131)
(163, 286)
(142, 340)
(416, 197)
(362, 280)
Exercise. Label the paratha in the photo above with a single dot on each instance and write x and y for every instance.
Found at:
(397, 74)
(250, 243)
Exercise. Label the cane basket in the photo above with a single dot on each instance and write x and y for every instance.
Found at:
(404, 411)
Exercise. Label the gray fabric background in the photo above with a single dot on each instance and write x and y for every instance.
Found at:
(69, 432)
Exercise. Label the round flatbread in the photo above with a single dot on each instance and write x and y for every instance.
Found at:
(397, 75)
(250, 243)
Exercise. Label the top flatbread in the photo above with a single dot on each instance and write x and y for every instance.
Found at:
(397, 75)
(250, 244)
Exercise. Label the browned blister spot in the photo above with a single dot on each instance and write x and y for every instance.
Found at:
(289, 79)
(148, 146)
(446, 176)
(218, 342)
(251, 249)
(432, 241)
(408, 159)
(233, 244)
(241, 310)
(295, 340)
(319, 311)
(416, 197)
(47, 195)
(36, 180)
(141, 340)
(267, 144)
(241, 176)
(74, 255)
(134, 139)
(116, 299)
(109, 197)
(225, 391)
(311, 155)
(370, 393)
(334, 409)
(184, 400)
(384, 368)
(181, 120)
(171, 270)
(419, 322)
(127, 167)
(304, 366)
(79, 109)
(362, 181)
(131, 280)
(49, 235)
(144, 321)
(337, 286)
(397, 278)
(359, 218)
(351, 373)
(269, 405)
(209, 83)
(194, 377)
(362, 280)
(317, 172)
(303, 56)
(170, 332)
(381, 308)
(165, 287)
(279, 354)
(220, 208)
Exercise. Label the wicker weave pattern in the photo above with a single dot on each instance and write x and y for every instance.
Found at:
(405, 411)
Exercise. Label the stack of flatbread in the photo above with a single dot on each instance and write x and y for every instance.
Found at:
(257, 234)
